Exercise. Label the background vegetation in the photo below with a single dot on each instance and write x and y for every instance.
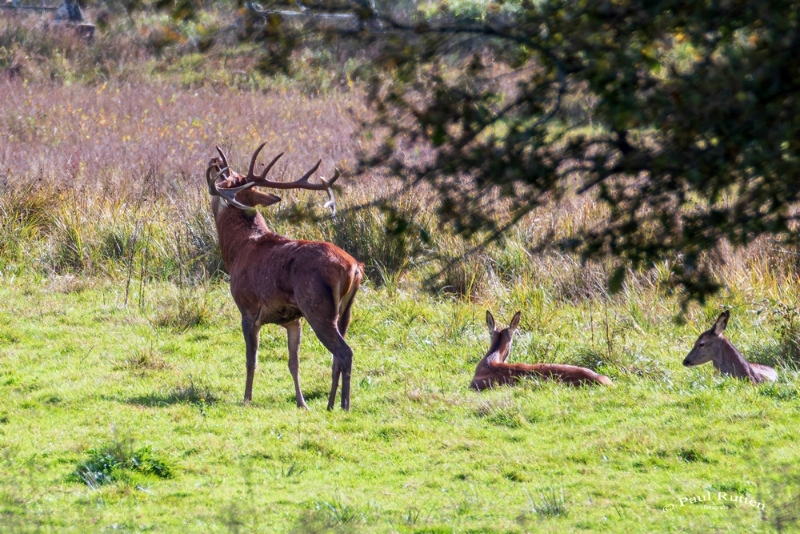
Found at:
(680, 118)
(121, 360)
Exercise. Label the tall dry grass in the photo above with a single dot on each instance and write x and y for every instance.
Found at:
(98, 179)
(104, 145)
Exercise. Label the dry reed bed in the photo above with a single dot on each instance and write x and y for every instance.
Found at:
(98, 135)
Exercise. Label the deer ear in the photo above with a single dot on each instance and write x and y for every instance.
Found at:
(489, 321)
(722, 322)
(257, 198)
(515, 321)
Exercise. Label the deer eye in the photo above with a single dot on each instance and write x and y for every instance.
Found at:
(702, 343)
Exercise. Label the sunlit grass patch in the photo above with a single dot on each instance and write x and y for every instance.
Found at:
(418, 450)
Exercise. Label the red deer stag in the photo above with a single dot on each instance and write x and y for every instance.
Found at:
(713, 346)
(493, 370)
(276, 280)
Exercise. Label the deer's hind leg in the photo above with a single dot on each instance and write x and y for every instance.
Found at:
(324, 319)
(321, 307)
(347, 305)
(328, 334)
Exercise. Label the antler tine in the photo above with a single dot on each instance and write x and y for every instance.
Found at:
(253, 160)
(221, 171)
(332, 178)
(222, 154)
(268, 167)
(229, 195)
(212, 182)
(331, 203)
(250, 175)
(212, 186)
(301, 183)
(311, 171)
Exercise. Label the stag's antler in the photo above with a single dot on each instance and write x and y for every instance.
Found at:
(228, 193)
(301, 183)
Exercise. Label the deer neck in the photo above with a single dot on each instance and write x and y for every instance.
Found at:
(498, 352)
(236, 229)
(730, 361)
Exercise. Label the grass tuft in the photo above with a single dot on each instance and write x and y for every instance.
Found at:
(550, 503)
(413, 515)
(189, 308)
(387, 241)
(462, 274)
(338, 512)
(194, 394)
(691, 455)
(504, 413)
(142, 360)
(334, 515)
(119, 461)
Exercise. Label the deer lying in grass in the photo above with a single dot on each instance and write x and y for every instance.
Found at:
(713, 346)
(277, 280)
(493, 370)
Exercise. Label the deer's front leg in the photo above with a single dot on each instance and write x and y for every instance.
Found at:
(294, 331)
(250, 330)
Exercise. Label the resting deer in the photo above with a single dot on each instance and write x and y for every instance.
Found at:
(493, 370)
(276, 280)
(713, 346)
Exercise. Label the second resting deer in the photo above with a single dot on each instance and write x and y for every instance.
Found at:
(493, 370)
(279, 280)
(714, 347)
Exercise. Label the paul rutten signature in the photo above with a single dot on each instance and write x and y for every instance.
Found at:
(717, 497)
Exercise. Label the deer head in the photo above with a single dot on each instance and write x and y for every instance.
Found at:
(710, 344)
(229, 188)
(501, 339)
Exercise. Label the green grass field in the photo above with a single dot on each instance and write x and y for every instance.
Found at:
(122, 363)
(418, 452)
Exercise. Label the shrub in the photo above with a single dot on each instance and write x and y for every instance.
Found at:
(118, 461)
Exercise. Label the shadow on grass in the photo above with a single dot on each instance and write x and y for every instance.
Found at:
(313, 395)
(191, 394)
